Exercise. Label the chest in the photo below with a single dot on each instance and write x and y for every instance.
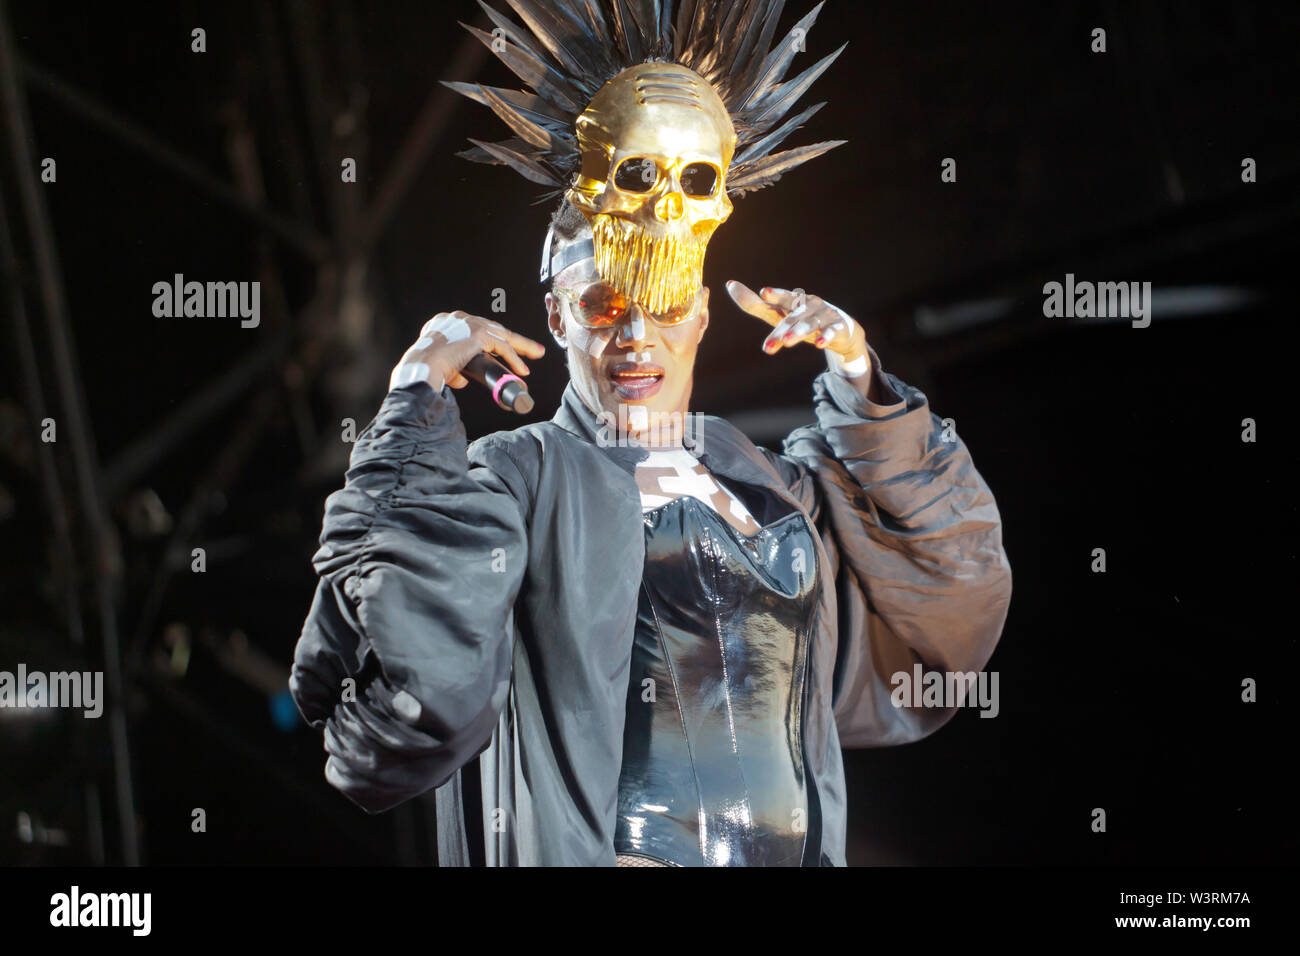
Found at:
(666, 475)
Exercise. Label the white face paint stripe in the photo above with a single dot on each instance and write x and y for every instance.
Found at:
(423, 342)
(638, 417)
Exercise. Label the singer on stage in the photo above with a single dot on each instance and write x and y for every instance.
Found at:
(651, 644)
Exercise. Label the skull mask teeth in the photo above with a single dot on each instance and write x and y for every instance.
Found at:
(655, 142)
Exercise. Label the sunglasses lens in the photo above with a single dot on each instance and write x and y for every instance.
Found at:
(677, 315)
(599, 306)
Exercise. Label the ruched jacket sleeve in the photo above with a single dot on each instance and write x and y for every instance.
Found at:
(915, 542)
(405, 656)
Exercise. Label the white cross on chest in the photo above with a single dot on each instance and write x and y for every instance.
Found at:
(687, 478)
(691, 478)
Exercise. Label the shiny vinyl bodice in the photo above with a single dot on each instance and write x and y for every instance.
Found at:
(713, 767)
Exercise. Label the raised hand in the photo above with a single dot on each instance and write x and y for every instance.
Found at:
(796, 317)
(450, 339)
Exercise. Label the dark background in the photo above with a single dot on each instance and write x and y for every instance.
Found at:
(1119, 690)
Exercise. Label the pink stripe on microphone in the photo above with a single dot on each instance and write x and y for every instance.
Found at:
(508, 377)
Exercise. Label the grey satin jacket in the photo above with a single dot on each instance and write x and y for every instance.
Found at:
(483, 602)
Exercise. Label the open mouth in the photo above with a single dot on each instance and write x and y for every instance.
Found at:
(636, 380)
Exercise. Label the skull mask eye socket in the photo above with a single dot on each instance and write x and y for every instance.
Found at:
(636, 174)
(699, 180)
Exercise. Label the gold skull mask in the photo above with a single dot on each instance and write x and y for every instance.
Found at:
(655, 143)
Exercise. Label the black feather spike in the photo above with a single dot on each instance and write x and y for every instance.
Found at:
(482, 155)
(666, 29)
(769, 169)
(600, 32)
(745, 30)
(761, 147)
(527, 166)
(529, 132)
(699, 37)
(561, 36)
(532, 108)
(775, 105)
(655, 17)
(626, 31)
(584, 81)
(777, 62)
(586, 21)
(682, 27)
(510, 30)
(549, 84)
(750, 62)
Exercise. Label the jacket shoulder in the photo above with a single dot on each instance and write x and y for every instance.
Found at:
(737, 443)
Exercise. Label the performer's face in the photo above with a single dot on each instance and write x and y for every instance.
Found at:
(635, 363)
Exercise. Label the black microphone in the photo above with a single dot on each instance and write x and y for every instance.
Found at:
(508, 389)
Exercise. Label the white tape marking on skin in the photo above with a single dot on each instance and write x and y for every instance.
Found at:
(450, 328)
(637, 327)
(691, 482)
(406, 707)
(412, 372)
(738, 509)
(855, 369)
(591, 342)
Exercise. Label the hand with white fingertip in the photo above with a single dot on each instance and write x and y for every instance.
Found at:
(449, 340)
(798, 317)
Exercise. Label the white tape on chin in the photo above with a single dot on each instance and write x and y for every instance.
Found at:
(855, 369)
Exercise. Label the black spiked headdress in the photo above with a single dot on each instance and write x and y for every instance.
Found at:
(568, 49)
